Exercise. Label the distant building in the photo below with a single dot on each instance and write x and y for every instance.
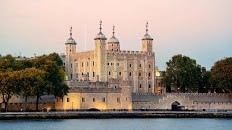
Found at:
(159, 88)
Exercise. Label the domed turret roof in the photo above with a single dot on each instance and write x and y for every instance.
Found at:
(147, 36)
(70, 39)
(113, 39)
(100, 35)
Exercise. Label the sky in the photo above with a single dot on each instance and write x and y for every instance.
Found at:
(200, 29)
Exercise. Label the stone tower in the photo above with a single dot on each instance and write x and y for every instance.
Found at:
(147, 41)
(100, 56)
(113, 43)
(70, 51)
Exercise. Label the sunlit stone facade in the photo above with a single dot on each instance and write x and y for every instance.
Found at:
(96, 95)
(107, 61)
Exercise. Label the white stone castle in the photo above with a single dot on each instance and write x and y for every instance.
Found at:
(107, 61)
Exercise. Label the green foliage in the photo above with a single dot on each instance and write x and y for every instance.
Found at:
(221, 76)
(56, 58)
(36, 77)
(183, 73)
(7, 63)
(9, 81)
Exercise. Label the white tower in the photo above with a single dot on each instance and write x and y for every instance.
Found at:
(147, 41)
(100, 55)
(70, 51)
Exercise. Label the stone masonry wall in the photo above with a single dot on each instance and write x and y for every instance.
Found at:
(193, 101)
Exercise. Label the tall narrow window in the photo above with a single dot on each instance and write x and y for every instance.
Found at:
(118, 99)
(93, 74)
(109, 72)
(103, 99)
(130, 74)
(149, 86)
(93, 63)
(67, 99)
(93, 99)
(120, 73)
(83, 99)
(130, 65)
(140, 86)
(82, 64)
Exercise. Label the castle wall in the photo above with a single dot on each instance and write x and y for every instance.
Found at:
(101, 98)
(191, 101)
(134, 66)
(85, 64)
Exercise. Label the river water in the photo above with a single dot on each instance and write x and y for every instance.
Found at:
(118, 124)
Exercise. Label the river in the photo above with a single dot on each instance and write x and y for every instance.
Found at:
(119, 124)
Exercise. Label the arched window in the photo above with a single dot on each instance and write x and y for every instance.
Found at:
(139, 73)
(149, 86)
(130, 74)
(120, 73)
(130, 65)
(109, 72)
(149, 74)
(140, 86)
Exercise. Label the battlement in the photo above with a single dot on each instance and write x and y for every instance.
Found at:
(124, 52)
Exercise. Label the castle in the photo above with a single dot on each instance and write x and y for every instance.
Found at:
(107, 61)
(108, 78)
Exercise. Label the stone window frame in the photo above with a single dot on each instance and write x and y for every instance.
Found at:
(82, 99)
(118, 100)
(103, 99)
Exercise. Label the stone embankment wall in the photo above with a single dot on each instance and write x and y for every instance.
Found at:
(190, 101)
(29, 107)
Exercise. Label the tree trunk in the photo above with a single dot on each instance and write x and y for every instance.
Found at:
(25, 105)
(37, 103)
(6, 104)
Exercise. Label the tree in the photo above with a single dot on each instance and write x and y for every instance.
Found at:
(182, 73)
(31, 81)
(56, 58)
(221, 75)
(54, 74)
(7, 62)
(205, 84)
(8, 85)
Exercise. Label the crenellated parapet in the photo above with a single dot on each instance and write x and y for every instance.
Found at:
(125, 52)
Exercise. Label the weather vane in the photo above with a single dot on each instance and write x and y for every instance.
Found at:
(113, 30)
(71, 31)
(146, 27)
(100, 25)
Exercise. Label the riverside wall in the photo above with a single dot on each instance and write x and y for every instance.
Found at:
(113, 114)
(190, 101)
